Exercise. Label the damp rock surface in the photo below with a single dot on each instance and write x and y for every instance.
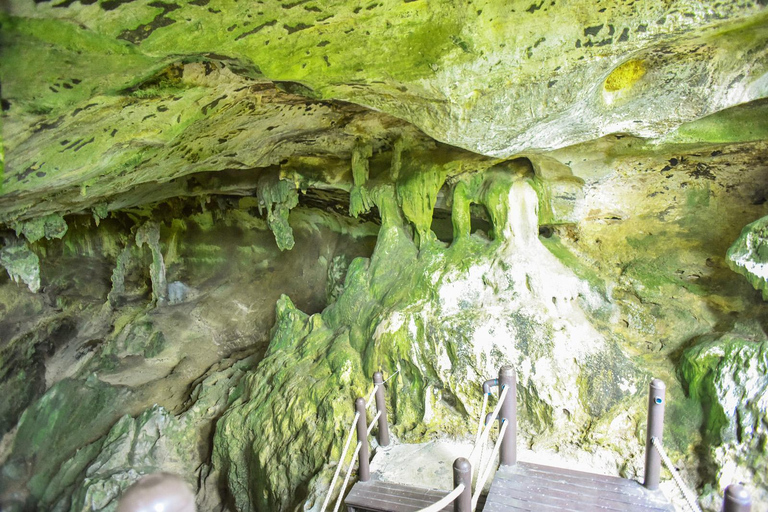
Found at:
(749, 255)
(219, 218)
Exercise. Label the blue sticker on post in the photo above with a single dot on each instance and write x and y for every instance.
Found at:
(658, 400)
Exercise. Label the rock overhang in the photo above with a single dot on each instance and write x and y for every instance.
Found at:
(102, 98)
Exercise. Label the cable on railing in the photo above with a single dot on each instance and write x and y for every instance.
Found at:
(487, 472)
(341, 461)
(482, 417)
(373, 422)
(346, 478)
(449, 498)
(346, 447)
(690, 498)
(371, 396)
(487, 430)
(391, 376)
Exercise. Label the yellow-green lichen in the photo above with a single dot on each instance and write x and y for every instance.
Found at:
(625, 75)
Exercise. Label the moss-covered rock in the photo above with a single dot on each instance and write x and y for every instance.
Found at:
(174, 124)
(729, 375)
(749, 255)
(442, 319)
(72, 414)
(22, 264)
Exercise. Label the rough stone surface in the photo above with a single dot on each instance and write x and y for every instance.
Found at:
(22, 265)
(553, 185)
(728, 376)
(749, 255)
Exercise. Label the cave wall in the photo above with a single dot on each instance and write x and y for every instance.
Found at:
(219, 219)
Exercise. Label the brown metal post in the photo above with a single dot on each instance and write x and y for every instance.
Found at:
(381, 406)
(364, 470)
(656, 398)
(462, 474)
(508, 411)
(736, 499)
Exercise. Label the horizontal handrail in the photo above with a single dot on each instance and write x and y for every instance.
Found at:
(373, 422)
(687, 494)
(494, 415)
(346, 478)
(487, 471)
(341, 462)
(449, 498)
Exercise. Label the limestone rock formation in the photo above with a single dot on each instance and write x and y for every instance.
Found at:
(749, 255)
(326, 189)
(728, 375)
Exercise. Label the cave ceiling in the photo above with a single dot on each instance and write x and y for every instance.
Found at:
(113, 104)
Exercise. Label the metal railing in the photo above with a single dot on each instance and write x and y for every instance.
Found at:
(360, 426)
(736, 497)
(460, 496)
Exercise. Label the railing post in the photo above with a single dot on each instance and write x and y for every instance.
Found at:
(508, 411)
(381, 406)
(364, 470)
(462, 474)
(736, 499)
(656, 398)
(487, 385)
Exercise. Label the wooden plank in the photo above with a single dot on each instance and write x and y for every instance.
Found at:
(536, 503)
(580, 488)
(576, 501)
(399, 490)
(377, 505)
(523, 506)
(541, 485)
(362, 497)
(537, 488)
(383, 486)
(585, 480)
(532, 466)
(380, 496)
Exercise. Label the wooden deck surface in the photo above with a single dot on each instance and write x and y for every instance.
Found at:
(376, 495)
(524, 487)
(531, 487)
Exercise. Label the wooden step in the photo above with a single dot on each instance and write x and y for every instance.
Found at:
(532, 487)
(378, 496)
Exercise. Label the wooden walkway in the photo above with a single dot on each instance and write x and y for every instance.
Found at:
(517, 486)
(523, 487)
(531, 487)
(375, 495)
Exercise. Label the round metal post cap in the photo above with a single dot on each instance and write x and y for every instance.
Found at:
(507, 371)
(658, 384)
(738, 494)
(360, 402)
(158, 491)
(462, 465)
(378, 378)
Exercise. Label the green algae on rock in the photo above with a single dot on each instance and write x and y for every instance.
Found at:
(587, 267)
(70, 415)
(22, 264)
(427, 314)
(450, 69)
(749, 255)
(728, 375)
